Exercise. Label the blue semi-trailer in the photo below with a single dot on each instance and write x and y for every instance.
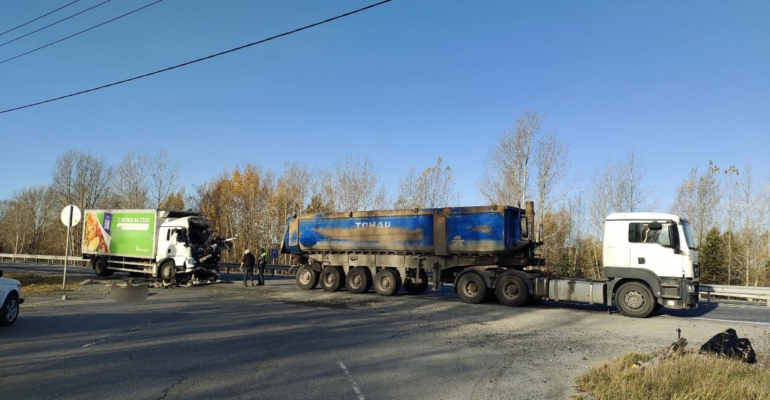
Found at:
(490, 250)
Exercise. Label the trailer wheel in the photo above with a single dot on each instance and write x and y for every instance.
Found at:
(358, 281)
(472, 288)
(512, 291)
(331, 279)
(307, 278)
(100, 267)
(386, 282)
(414, 288)
(635, 300)
(167, 271)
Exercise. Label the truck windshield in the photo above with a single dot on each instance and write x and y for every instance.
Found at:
(688, 235)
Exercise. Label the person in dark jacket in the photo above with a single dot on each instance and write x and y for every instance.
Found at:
(261, 265)
(248, 264)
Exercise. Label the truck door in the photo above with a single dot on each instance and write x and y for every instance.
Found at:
(652, 248)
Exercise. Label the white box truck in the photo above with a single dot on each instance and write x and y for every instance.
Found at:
(165, 245)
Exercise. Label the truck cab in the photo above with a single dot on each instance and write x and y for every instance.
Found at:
(655, 250)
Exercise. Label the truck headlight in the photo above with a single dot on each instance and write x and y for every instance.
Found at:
(690, 288)
(191, 262)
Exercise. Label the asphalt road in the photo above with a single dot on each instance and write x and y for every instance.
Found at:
(278, 342)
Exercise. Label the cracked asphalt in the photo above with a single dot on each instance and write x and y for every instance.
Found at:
(277, 342)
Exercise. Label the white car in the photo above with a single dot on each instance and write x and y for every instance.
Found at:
(10, 294)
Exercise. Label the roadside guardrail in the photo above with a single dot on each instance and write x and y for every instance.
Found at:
(37, 258)
(742, 292)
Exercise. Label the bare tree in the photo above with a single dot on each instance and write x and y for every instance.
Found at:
(294, 187)
(618, 186)
(356, 185)
(28, 220)
(752, 210)
(80, 178)
(431, 189)
(130, 185)
(164, 178)
(551, 168)
(697, 199)
(507, 180)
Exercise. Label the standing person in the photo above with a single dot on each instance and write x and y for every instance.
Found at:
(261, 265)
(248, 263)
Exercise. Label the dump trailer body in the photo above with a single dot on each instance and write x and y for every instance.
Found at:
(490, 230)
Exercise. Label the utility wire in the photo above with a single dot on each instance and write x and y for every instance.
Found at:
(200, 59)
(46, 14)
(54, 23)
(75, 34)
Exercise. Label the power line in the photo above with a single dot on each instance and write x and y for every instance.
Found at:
(44, 15)
(52, 24)
(200, 59)
(75, 34)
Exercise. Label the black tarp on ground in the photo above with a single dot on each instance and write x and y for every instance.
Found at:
(729, 345)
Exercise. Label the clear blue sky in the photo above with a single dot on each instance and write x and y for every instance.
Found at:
(682, 82)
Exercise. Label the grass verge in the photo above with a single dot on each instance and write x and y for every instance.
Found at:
(688, 376)
(36, 284)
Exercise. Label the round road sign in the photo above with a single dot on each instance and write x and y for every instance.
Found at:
(68, 211)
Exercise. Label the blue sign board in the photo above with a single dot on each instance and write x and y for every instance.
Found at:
(274, 253)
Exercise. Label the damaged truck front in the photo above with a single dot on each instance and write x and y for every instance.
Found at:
(165, 245)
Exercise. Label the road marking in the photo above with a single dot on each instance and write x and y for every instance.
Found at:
(720, 320)
(350, 378)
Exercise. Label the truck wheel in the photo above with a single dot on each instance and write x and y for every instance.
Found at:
(635, 300)
(414, 288)
(10, 310)
(386, 282)
(307, 278)
(331, 279)
(100, 267)
(472, 288)
(512, 291)
(167, 271)
(358, 281)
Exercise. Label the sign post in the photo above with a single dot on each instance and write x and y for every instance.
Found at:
(70, 216)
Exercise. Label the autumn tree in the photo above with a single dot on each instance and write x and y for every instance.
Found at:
(433, 188)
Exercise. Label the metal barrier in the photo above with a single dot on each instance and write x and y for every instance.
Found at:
(288, 269)
(743, 292)
(25, 258)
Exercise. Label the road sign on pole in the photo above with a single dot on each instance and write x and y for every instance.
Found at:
(274, 253)
(70, 216)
